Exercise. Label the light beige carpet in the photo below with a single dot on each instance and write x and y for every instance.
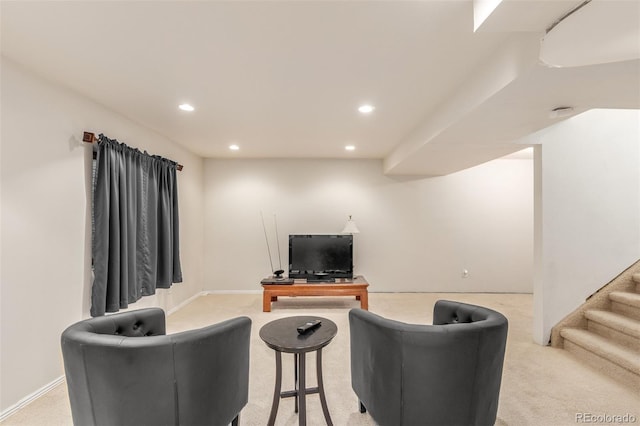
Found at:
(540, 386)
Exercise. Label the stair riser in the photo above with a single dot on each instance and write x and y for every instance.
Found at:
(617, 373)
(637, 287)
(626, 310)
(614, 335)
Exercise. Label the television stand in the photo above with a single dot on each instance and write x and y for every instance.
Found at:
(340, 287)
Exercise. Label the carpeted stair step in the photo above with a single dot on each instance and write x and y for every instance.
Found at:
(620, 329)
(636, 279)
(621, 363)
(625, 303)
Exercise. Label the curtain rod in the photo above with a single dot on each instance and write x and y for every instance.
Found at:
(90, 137)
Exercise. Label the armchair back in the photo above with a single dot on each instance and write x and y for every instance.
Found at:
(123, 369)
(448, 373)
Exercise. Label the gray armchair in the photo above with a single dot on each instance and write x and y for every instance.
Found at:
(123, 369)
(448, 373)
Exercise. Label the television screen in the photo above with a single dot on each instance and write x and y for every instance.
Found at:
(320, 257)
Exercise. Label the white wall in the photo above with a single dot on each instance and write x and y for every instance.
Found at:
(415, 234)
(587, 210)
(45, 238)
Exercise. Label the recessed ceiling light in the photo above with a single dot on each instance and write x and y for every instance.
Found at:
(366, 109)
(350, 148)
(186, 107)
(234, 147)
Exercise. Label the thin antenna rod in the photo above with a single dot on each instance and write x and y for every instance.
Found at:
(275, 222)
(267, 240)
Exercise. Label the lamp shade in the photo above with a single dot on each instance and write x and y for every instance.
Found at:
(350, 227)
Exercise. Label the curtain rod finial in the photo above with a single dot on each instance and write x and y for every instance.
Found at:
(88, 137)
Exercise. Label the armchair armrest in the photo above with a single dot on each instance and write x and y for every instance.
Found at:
(376, 364)
(212, 371)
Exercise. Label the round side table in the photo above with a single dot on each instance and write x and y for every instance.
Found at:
(282, 336)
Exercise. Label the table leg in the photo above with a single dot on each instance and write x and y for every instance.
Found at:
(296, 386)
(364, 300)
(276, 392)
(266, 301)
(323, 399)
(302, 391)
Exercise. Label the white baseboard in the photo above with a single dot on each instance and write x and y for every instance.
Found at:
(185, 303)
(30, 398)
(206, 292)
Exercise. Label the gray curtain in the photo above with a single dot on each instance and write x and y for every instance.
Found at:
(136, 232)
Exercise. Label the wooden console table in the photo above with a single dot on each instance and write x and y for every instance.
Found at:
(341, 287)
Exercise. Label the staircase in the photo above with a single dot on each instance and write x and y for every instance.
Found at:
(605, 331)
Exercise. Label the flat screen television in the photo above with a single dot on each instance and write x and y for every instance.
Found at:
(320, 257)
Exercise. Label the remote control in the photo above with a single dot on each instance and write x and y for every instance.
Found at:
(308, 326)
